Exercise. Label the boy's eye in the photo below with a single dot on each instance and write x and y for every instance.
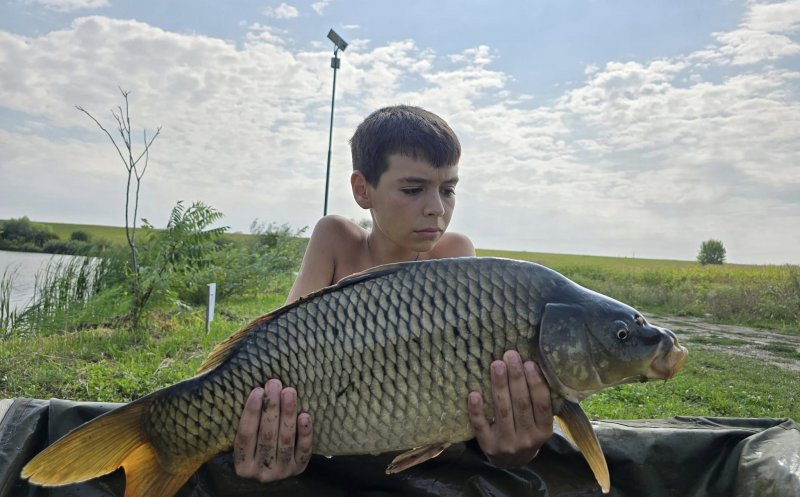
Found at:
(411, 191)
(450, 191)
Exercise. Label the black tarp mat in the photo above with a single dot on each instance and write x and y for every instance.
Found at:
(681, 457)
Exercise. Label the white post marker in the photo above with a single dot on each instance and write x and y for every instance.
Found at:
(212, 295)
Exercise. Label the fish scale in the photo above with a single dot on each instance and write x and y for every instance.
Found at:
(383, 361)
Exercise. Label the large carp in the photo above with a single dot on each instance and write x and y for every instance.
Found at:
(383, 361)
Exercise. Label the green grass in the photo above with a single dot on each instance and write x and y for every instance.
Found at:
(711, 384)
(113, 234)
(115, 365)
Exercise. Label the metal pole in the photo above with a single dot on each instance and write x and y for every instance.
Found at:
(335, 66)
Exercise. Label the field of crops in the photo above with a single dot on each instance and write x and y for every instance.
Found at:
(765, 296)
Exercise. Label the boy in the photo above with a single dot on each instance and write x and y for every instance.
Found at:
(405, 170)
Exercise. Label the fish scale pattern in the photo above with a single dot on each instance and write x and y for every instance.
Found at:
(384, 362)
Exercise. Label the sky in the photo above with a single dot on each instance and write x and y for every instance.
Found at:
(631, 128)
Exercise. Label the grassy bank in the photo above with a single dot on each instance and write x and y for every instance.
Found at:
(113, 365)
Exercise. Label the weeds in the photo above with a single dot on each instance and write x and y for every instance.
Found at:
(63, 297)
(8, 315)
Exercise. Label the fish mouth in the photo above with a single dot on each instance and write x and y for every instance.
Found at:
(667, 365)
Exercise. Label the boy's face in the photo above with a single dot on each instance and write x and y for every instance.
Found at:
(412, 203)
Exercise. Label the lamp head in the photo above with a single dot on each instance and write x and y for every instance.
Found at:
(337, 40)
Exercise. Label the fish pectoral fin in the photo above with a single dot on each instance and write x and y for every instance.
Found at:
(578, 429)
(415, 456)
(146, 476)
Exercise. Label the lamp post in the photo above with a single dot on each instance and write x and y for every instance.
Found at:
(340, 45)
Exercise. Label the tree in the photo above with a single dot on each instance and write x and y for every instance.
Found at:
(711, 252)
(135, 169)
(22, 231)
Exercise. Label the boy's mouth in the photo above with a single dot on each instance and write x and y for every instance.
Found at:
(428, 232)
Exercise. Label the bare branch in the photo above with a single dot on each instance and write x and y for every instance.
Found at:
(106, 132)
(147, 146)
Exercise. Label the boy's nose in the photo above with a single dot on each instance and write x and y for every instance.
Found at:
(434, 206)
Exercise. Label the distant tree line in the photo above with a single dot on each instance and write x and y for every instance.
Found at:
(23, 235)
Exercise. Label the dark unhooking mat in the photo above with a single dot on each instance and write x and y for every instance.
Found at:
(681, 457)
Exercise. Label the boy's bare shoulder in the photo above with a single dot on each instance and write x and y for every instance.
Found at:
(452, 245)
(333, 228)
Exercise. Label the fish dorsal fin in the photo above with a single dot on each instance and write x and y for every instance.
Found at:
(577, 427)
(224, 349)
(368, 274)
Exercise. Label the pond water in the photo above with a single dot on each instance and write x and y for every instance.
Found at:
(24, 266)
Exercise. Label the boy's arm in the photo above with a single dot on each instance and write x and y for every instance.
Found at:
(317, 269)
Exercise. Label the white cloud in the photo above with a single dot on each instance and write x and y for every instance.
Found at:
(282, 11)
(648, 156)
(763, 35)
(319, 7)
(70, 5)
(774, 17)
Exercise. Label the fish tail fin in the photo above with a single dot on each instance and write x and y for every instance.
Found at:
(102, 445)
(95, 448)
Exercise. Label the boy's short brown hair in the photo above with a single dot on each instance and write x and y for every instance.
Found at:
(405, 130)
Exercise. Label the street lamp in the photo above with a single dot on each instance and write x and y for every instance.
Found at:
(340, 45)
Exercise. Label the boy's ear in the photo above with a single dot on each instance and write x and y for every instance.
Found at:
(360, 190)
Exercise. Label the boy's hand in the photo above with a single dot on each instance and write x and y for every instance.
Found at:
(523, 415)
(272, 441)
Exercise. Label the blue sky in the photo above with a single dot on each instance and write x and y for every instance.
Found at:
(628, 128)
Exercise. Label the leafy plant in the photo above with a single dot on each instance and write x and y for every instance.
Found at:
(169, 255)
(262, 265)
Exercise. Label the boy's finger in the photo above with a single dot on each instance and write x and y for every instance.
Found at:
(244, 445)
(268, 431)
(540, 396)
(305, 437)
(288, 426)
(522, 409)
(503, 415)
(480, 425)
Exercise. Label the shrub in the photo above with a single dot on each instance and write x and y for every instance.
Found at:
(79, 236)
(711, 252)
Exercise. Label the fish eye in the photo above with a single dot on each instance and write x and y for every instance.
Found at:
(620, 330)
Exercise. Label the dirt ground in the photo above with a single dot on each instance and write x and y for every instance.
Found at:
(775, 348)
